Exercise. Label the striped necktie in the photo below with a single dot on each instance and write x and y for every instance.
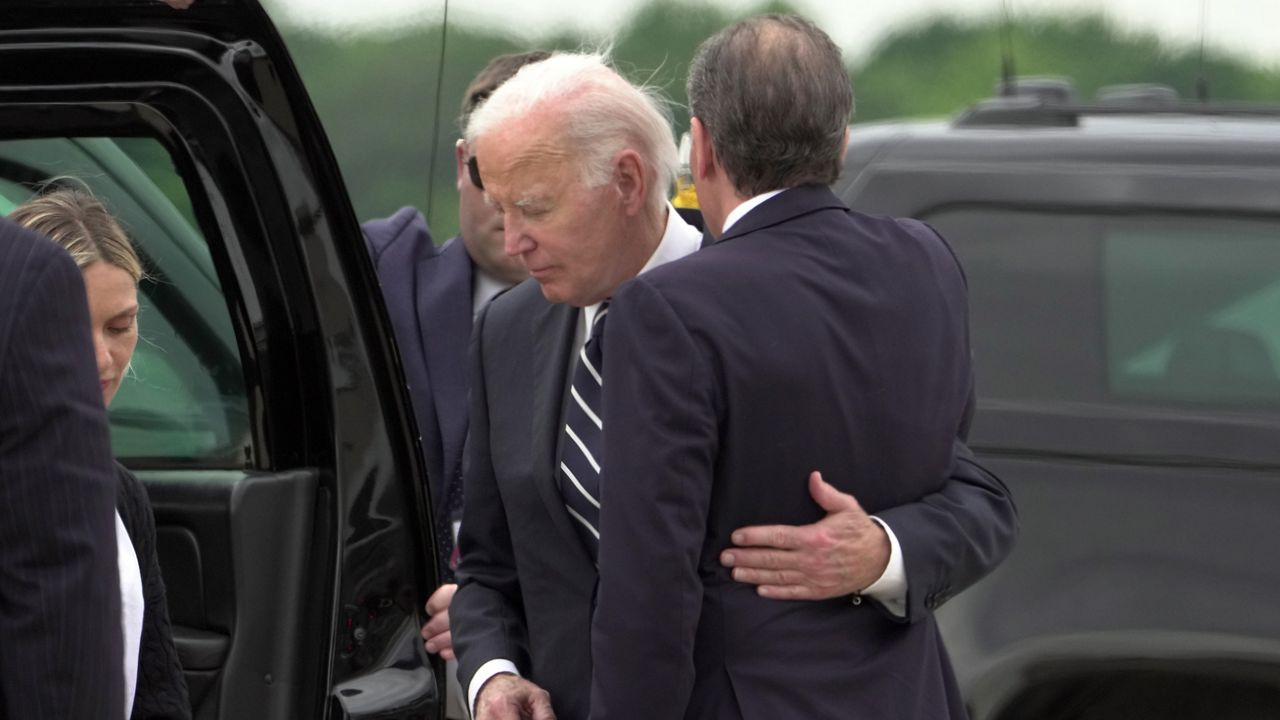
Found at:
(582, 443)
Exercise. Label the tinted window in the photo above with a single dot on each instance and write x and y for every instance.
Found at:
(1072, 309)
(184, 400)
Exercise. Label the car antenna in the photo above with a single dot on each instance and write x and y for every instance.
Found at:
(433, 141)
(1202, 82)
(1007, 70)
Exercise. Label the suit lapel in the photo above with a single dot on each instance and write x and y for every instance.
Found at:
(553, 332)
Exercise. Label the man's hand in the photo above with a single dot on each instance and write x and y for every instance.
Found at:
(840, 554)
(435, 634)
(510, 697)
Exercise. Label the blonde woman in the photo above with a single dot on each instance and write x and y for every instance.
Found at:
(154, 686)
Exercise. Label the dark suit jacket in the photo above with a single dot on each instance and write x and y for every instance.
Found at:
(428, 295)
(161, 691)
(61, 652)
(809, 337)
(526, 584)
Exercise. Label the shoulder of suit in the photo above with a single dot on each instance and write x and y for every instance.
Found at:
(31, 267)
(516, 303)
(406, 225)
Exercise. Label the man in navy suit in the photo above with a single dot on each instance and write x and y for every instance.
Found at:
(432, 294)
(579, 163)
(61, 654)
(809, 336)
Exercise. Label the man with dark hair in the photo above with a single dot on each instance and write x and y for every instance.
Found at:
(432, 294)
(579, 162)
(809, 336)
(62, 654)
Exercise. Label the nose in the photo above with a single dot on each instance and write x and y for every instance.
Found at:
(515, 241)
(101, 353)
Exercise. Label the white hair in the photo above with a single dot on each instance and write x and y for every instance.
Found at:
(600, 114)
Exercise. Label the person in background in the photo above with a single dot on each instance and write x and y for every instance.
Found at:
(77, 221)
(60, 658)
(432, 294)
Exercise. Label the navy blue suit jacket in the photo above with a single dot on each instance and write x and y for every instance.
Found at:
(428, 295)
(809, 337)
(60, 638)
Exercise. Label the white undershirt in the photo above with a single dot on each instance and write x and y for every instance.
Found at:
(131, 606)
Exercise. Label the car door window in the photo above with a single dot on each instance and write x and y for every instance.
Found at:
(183, 401)
(1125, 311)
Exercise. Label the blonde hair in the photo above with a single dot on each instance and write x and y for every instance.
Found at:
(79, 222)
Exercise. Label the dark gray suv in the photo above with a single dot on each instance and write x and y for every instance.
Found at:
(1123, 259)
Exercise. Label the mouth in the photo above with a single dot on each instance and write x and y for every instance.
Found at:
(104, 384)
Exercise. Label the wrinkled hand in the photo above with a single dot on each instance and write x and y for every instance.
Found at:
(178, 4)
(435, 634)
(840, 554)
(510, 697)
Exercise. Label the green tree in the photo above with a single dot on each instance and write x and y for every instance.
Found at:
(376, 92)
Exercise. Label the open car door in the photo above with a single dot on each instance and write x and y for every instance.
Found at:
(266, 412)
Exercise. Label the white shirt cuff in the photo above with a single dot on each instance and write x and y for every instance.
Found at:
(497, 666)
(890, 590)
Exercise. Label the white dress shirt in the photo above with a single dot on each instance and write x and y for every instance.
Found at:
(131, 605)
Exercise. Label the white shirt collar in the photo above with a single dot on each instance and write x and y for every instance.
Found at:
(678, 239)
(483, 287)
(747, 206)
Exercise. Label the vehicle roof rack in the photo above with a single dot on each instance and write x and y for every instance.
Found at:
(1050, 102)
(1146, 94)
(1049, 88)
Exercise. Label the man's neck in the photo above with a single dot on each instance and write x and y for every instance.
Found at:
(646, 236)
(722, 199)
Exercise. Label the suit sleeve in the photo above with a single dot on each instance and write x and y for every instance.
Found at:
(59, 585)
(487, 615)
(954, 537)
(661, 439)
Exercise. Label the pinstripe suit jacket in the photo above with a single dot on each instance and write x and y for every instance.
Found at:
(60, 637)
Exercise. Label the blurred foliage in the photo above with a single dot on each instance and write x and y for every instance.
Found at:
(376, 91)
(940, 66)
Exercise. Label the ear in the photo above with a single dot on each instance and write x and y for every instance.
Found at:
(460, 163)
(844, 148)
(631, 183)
(702, 156)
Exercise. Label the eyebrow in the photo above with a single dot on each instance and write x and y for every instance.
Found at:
(131, 311)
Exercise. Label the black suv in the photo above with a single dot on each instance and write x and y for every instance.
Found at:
(1123, 258)
(267, 413)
